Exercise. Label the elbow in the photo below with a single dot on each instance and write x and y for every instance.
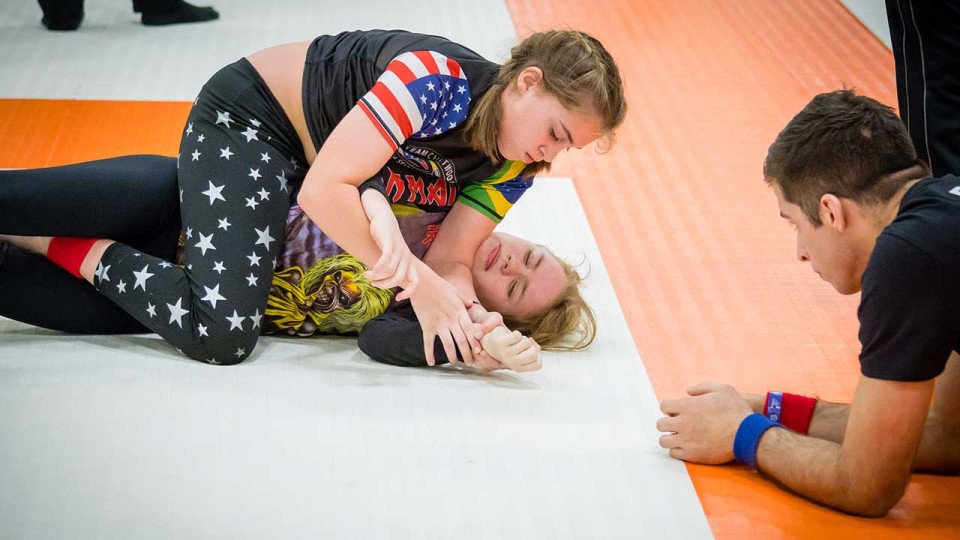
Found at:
(876, 502)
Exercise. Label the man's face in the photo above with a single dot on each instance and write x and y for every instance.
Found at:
(835, 249)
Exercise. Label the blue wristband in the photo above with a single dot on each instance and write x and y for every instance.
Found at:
(748, 438)
(774, 405)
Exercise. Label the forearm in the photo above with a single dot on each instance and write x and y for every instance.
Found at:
(939, 450)
(336, 209)
(815, 468)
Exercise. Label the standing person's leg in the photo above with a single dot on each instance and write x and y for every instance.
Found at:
(80, 199)
(236, 182)
(925, 37)
(62, 14)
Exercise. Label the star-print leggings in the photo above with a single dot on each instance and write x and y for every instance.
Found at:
(239, 166)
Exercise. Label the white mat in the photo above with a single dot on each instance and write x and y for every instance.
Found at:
(119, 437)
(113, 56)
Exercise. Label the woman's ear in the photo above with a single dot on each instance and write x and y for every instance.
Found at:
(529, 78)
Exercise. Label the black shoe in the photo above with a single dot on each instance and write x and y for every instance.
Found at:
(180, 12)
(63, 21)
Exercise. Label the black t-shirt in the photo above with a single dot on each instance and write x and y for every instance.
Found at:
(417, 90)
(910, 307)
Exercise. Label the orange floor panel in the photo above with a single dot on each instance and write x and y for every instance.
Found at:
(702, 264)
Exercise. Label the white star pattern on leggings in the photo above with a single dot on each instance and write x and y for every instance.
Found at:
(224, 118)
(226, 153)
(254, 259)
(251, 280)
(202, 330)
(214, 192)
(252, 203)
(250, 134)
(101, 272)
(264, 237)
(236, 321)
(152, 310)
(213, 295)
(223, 224)
(142, 277)
(177, 312)
(264, 157)
(264, 194)
(256, 318)
(255, 174)
(282, 177)
(205, 243)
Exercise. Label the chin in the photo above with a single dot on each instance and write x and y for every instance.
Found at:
(846, 288)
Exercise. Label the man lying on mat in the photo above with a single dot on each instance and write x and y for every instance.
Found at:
(868, 217)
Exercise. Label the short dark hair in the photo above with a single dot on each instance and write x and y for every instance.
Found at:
(843, 144)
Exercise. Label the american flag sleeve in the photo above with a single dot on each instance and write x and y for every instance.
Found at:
(421, 94)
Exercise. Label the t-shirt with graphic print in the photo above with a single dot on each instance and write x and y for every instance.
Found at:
(910, 306)
(318, 288)
(417, 90)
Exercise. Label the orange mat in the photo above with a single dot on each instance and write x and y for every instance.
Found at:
(702, 264)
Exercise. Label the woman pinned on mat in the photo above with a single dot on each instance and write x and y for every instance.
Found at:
(316, 287)
(307, 123)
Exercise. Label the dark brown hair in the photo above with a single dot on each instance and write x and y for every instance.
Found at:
(843, 144)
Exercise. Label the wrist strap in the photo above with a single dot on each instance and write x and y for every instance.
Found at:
(797, 412)
(747, 441)
(773, 406)
(68, 252)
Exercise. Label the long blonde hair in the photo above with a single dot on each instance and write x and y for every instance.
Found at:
(577, 70)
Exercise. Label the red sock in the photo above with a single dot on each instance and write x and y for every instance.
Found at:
(68, 252)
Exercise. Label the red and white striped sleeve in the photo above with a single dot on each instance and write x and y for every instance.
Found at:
(420, 93)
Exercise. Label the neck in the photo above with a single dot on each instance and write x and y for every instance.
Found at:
(908, 177)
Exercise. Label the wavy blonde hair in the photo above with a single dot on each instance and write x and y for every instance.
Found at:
(577, 70)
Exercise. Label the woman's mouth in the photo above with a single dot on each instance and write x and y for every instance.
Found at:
(492, 258)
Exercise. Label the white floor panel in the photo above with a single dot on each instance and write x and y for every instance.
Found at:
(120, 437)
(113, 56)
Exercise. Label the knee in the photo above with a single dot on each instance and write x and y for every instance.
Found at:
(225, 352)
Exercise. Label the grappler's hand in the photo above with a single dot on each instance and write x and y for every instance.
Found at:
(701, 428)
(513, 349)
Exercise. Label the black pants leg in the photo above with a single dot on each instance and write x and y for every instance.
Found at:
(34, 290)
(925, 36)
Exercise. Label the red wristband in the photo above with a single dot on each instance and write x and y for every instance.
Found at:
(797, 411)
(68, 252)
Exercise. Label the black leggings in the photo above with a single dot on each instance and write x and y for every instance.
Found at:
(36, 291)
(239, 166)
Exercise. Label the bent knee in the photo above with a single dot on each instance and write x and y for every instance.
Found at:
(225, 352)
